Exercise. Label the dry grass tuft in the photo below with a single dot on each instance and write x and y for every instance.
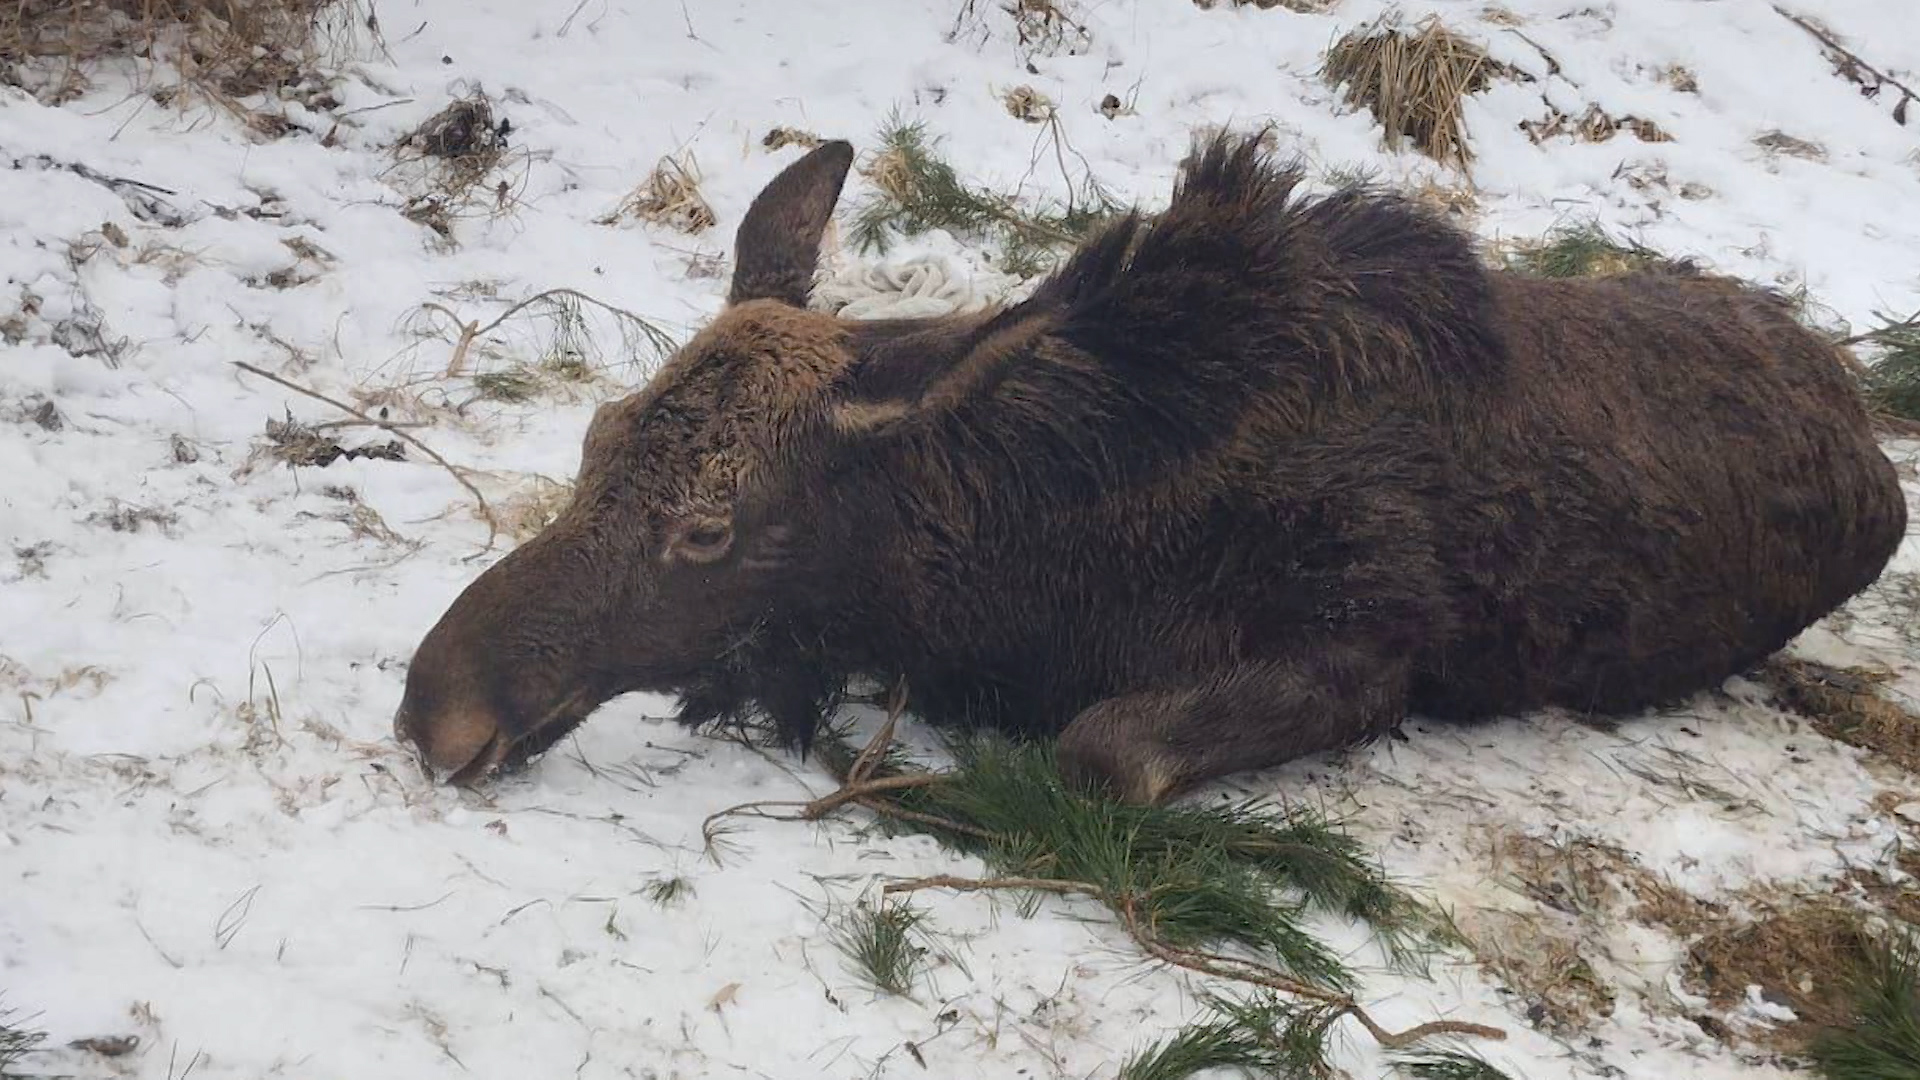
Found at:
(1581, 891)
(1779, 142)
(122, 518)
(1680, 78)
(1846, 704)
(782, 137)
(1595, 125)
(670, 196)
(1048, 27)
(1450, 199)
(1414, 82)
(299, 445)
(1793, 955)
(1300, 7)
(1026, 103)
(225, 49)
(538, 504)
(554, 339)
(457, 157)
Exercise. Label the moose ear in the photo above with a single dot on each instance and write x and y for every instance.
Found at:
(778, 242)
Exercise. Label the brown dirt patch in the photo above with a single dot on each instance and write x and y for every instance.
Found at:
(1581, 890)
(1846, 704)
(1797, 954)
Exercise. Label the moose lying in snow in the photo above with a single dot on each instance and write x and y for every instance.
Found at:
(1251, 479)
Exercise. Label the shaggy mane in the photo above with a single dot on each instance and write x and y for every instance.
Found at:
(1361, 290)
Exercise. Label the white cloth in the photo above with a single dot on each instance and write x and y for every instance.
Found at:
(916, 287)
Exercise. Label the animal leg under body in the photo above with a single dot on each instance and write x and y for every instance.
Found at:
(1148, 747)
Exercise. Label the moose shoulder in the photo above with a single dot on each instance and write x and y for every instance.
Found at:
(1252, 478)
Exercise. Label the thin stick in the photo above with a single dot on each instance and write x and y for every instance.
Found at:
(1900, 110)
(960, 884)
(1223, 967)
(887, 809)
(1910, 322)
(876, 747)
(1400, 1040)
(827, 804)
(471, 332)
(486, 511)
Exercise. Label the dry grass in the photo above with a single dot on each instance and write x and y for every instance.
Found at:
(457, 161)
(1450, 199)
(1781, 143)
(1595, 125)
(1795, 953)
(781, 137)
(1680, 78)
(1414, 82)
(554, 340)
(1847, 704)
(1301, 7)
(299, 445)
(669, 196)
(1581, 890)
(537, 504)
(223, 50)
(1030, 105)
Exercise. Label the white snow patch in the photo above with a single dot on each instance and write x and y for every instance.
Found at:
(210, 839)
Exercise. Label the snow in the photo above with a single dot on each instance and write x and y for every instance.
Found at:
(207, 835)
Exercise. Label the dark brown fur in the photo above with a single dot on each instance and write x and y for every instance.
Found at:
(1245, 481)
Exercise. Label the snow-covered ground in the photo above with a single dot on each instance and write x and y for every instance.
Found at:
(207, 835)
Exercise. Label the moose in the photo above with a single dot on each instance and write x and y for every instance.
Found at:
(1258, 476)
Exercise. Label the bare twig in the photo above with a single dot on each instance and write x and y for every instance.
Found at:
(473, 331)
(486, 511)
(1881, 78)
(1911, 322)
(876, 747)
(1213, 964)
(960, 884)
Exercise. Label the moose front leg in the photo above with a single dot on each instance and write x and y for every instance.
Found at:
(1148, 747)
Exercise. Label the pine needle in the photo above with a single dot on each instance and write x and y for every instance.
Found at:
(1892, 381)
(1449, 1065)
(1580, 251)
(1882, 1039)
(1199, 877)
(16, 1042)
(885, 944)
(1183, 881)
(919, 191)
(1260, 1036)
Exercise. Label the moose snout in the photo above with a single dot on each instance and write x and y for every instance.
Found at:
(450, 744)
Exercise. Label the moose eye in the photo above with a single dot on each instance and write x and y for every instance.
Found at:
(704, 541)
